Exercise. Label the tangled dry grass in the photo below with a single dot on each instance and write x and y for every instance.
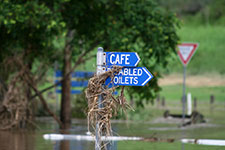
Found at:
(16, 104)
(15, 111)
(101, 112)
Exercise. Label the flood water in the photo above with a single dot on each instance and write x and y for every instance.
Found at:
(33, 140)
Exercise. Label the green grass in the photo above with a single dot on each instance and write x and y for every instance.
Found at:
(174, 92)
(210, 54)
(137, 145)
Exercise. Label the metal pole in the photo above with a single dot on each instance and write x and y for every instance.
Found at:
(183, 101)
(99, 70)
(184, 95)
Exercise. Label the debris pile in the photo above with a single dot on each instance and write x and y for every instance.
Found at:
(14, 108)
(100, 112)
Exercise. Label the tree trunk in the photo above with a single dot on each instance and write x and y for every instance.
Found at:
(65, 113)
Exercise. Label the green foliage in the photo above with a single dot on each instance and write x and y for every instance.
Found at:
(27, 28)
(79, 106)
(141, 26)
(197, 11)
(28, 25)
(40, 27)
(217, 11)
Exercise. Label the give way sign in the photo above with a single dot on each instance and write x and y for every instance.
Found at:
(186, 51)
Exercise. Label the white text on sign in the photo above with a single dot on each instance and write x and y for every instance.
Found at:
(119, 59)
(128, 76)
(131, 72)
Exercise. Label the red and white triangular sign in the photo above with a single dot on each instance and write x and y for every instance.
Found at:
(186, 51)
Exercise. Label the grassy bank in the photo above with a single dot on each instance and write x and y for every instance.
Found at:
(135, 145)
(174, 92)
(210, 55)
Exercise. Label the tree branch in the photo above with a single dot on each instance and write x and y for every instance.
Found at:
(45, 105)
(79, 61)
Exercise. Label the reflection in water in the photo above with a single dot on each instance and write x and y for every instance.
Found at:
(80, 145)
(64, 145)
(73, 145)
(16, 140)
(34, 141)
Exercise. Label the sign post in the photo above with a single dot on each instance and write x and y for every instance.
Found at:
(185, 53)
(99, 70)
(184, 94)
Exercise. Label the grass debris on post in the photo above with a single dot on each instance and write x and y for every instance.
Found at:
(102, 104)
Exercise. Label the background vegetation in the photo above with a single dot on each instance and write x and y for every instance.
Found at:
(43, 42)
(197, 24)
(203, 22)
(35, 34)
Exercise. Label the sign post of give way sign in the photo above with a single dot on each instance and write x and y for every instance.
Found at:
(185, 52)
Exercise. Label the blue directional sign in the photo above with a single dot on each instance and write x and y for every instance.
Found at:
(75, 83)
(80, 75)
(71, 91)
(77, 74)
(130, 76)
(128, 59)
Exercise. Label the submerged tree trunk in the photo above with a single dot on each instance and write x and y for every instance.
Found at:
(65, 113)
